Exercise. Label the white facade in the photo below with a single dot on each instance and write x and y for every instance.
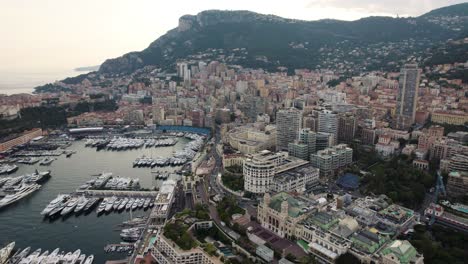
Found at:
(288, 124)
(259, 171)
(328, 123)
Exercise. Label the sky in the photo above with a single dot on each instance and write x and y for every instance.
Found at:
(50, 35)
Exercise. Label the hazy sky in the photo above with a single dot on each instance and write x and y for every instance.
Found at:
(63, 34)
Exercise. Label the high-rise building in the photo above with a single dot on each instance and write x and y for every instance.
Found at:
(347, 126)
(288, 124)
(328, 123)
(407, 96)
(197, 118)
(299, 150)
(331, 159)
(304, 146)
(323, 141)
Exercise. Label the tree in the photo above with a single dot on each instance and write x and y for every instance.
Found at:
(347, 258)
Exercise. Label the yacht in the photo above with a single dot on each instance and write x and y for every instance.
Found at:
(81, 259)
(110, 204)
(129, 204)
(31, 257)
(19, 256)
(46, 162)
(123, 204)
(19, 193)
(5, 252)
(102, 180)
(52, 258)
(91, 204)
(41, 258)
(7, 169)
(54, 203)
(135, 204)
(65, 258)
(117, 203)
(146, 203)
(37, 177)
(141, 203)
(58, 209)
(81, 204)
(73, 257)
(72, 203)
(102, 206)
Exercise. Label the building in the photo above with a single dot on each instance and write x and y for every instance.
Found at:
(323, 141)
(326, 235)
(328, 123)
(304, 146)
(250, 139)
(368, 136)
(386, 147)
(347, 127)
(166, 251)
(198, 118)
(17, 140)
(401, 252)
(260, 169)
(299, 150)
(281, 212)
(288, 124)
(134, 117)
(407, 96)
(367, 242)
(329, 160)
(223, 115)
(451, 118)
(457, 184)
(295, 179)
(421, 164)
(459, 162)
(163, 203)
(236, 159)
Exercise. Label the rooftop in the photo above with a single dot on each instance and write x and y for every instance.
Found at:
(295, 205)
(295, 173)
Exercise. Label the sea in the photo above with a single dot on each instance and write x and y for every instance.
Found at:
(23, 223)
(13, 82)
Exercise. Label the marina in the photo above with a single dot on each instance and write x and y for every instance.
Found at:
(27, 256)
(81, 228)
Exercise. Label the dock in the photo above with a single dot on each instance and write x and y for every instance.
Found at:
(118, 193)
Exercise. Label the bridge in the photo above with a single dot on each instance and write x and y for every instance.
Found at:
(118, 193)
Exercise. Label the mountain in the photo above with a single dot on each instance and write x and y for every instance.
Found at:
(256, 40)
(453, 10)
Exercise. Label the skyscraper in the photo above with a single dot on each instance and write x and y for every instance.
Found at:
(328, 123)
(347, 126)
(288, 124)
(304, 146)
(407, 96)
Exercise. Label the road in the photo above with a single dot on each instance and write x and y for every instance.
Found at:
(246, 204)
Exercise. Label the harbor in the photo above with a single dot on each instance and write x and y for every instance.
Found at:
(90, 232)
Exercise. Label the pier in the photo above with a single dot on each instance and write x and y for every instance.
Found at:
(118, 193)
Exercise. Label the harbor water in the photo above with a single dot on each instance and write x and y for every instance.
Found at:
(23, 223)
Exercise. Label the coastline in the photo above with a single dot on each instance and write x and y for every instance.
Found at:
(25, 81)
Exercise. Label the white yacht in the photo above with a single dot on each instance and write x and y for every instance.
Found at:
(89, 259)
(110, 203)
(54, 203)
(70, 206)
(5, 252)
(81, 204)
(19, 193)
